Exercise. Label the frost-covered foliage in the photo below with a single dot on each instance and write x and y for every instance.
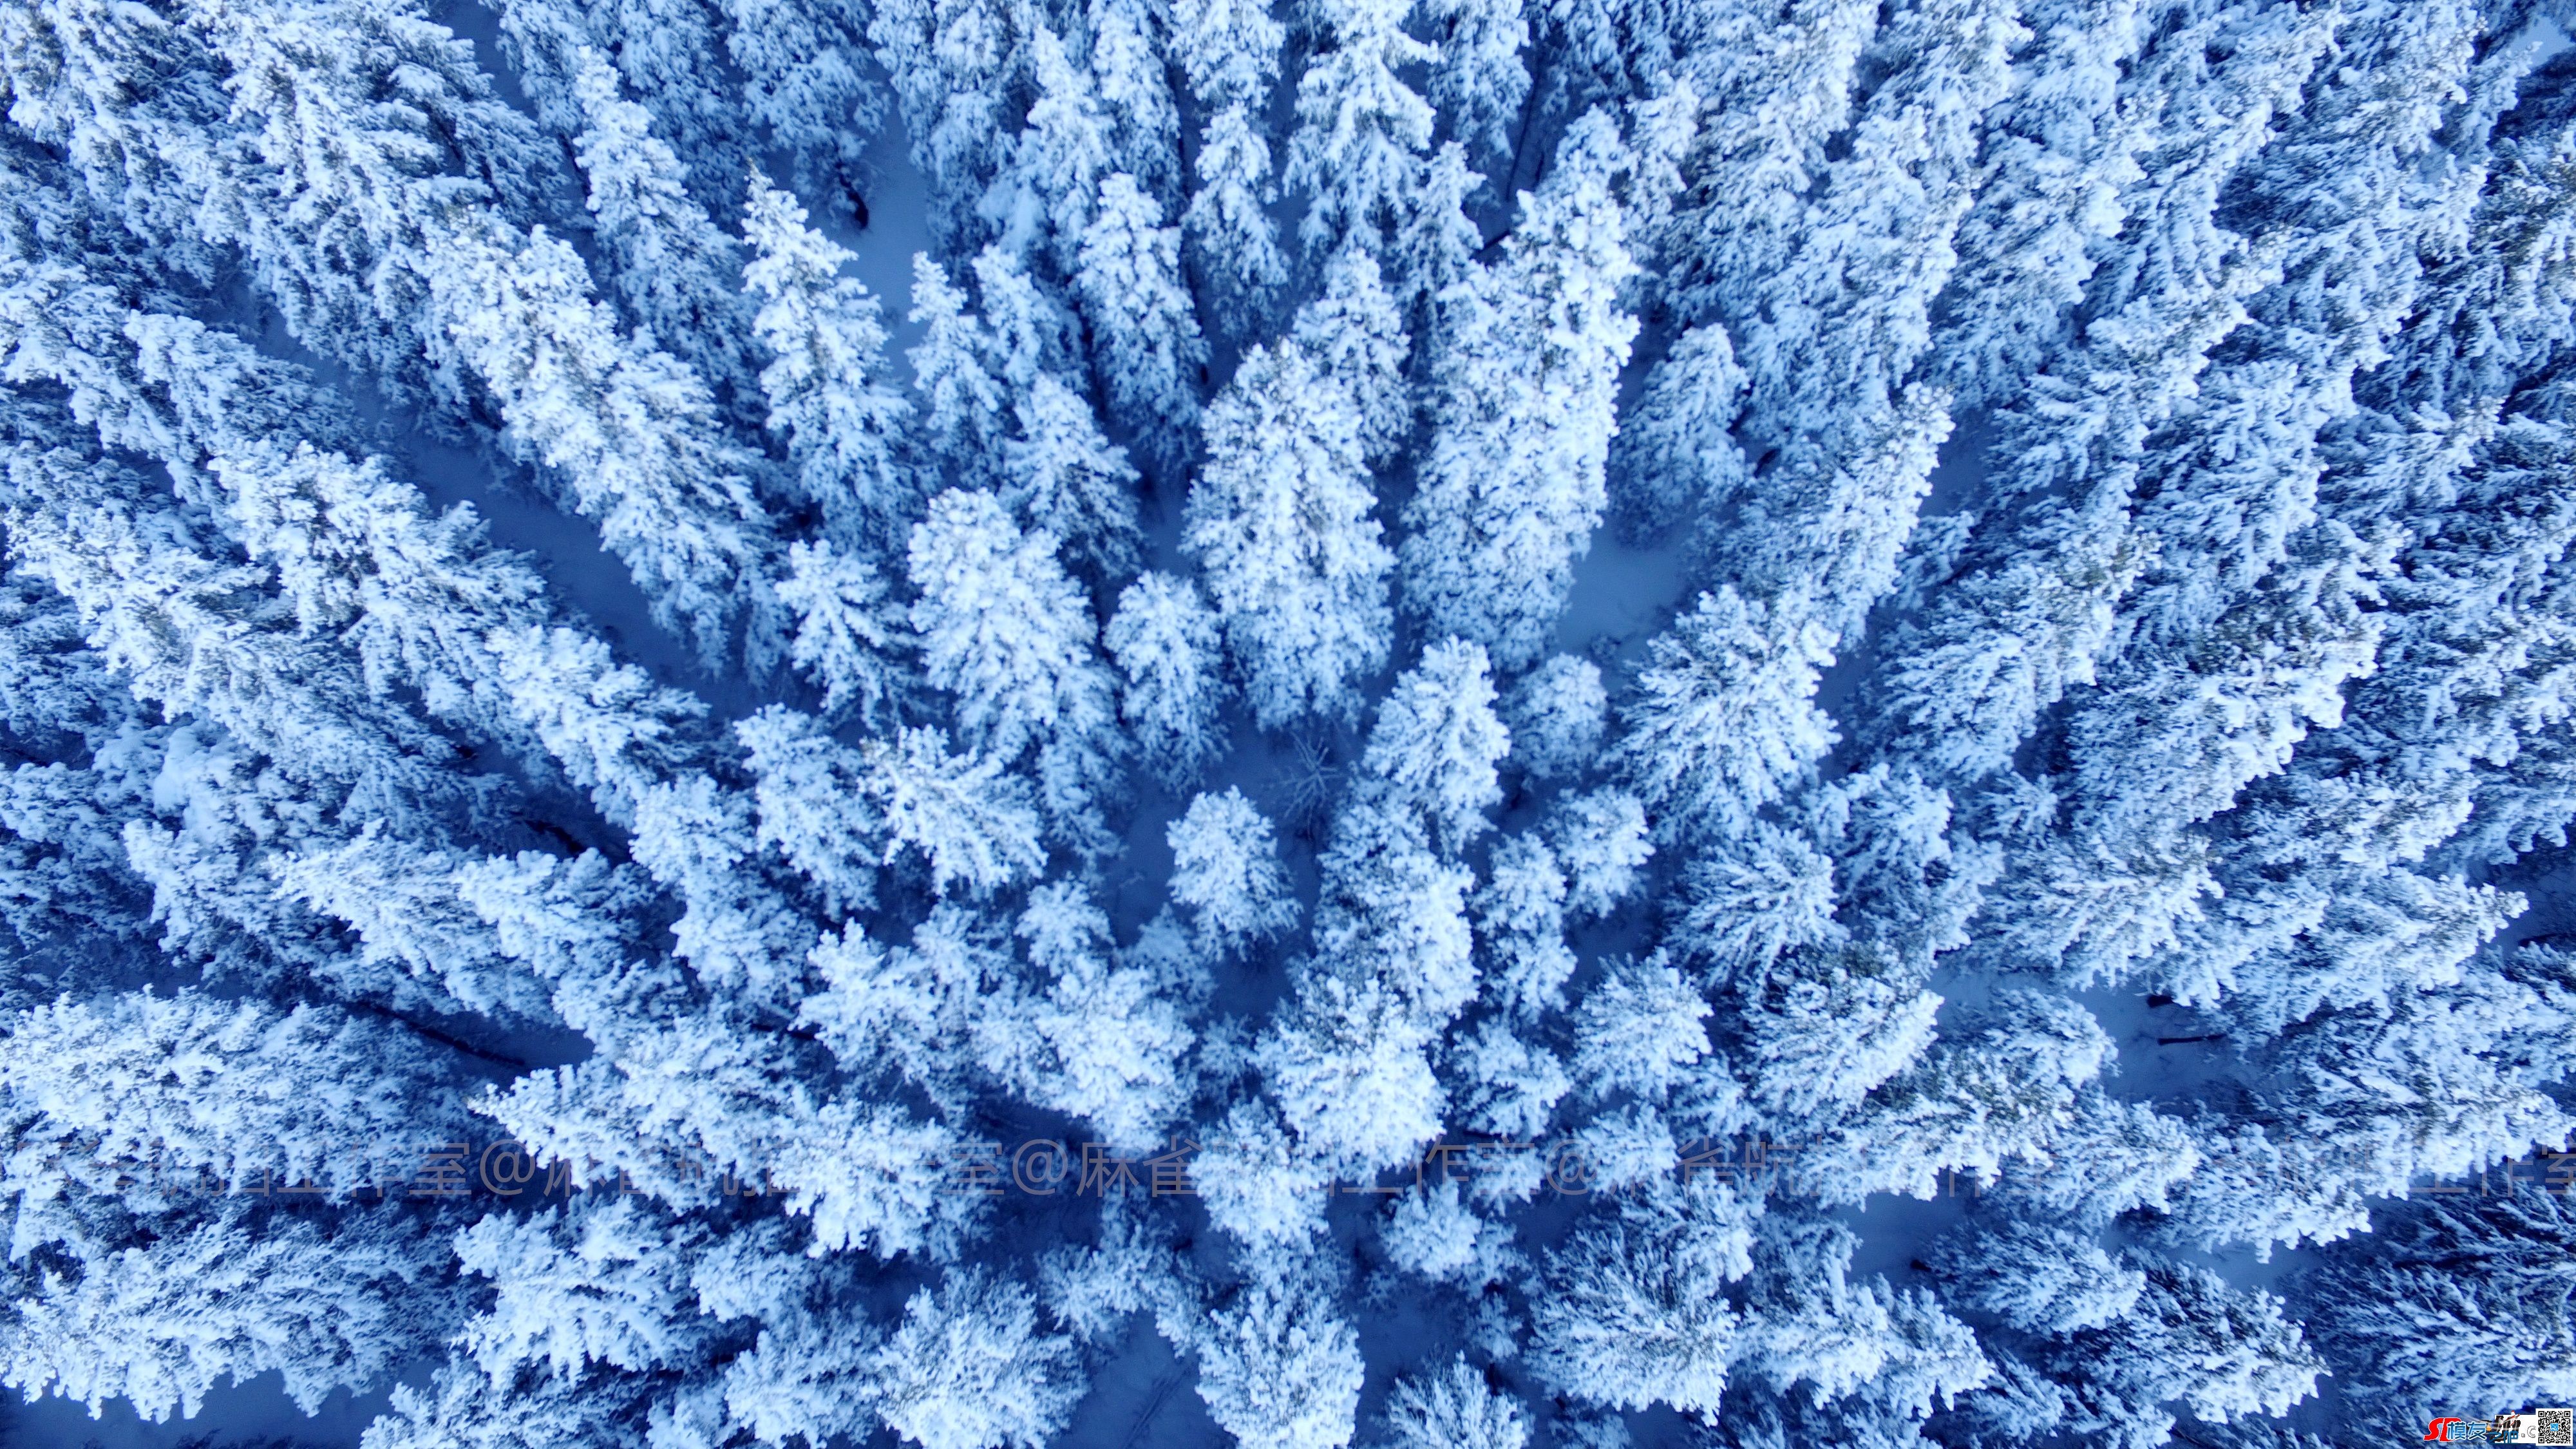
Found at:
(1398, 751)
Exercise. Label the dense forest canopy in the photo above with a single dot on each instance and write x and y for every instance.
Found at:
(1718, 723)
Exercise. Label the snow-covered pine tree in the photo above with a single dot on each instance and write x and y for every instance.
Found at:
(1521, 410)
(1278, 518)
(1003, 630)
(1225, 873)
(1724, 720)
(1361, 130)
(1148, 352)
(1165, 640)
(1229, 51)
(674, 269)
(826, 337)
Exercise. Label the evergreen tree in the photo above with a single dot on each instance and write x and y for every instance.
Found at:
(824, 332)
(631, 429)
(1354, 332)
(2063, 148)
(847, 629)
(1127, 41)
(1478, 80)
(2468, 1292)
(1048, 195)
(1841, 323)
(1512, 484)
(1520, 923)
(970, 1368)
(1361, 130)
(139, 1323)
(962, 399)
(1099, 1043)
(1454, 1410)
(1279, 519)
(1165, 640)
(1675, 456)
(1277, 1369)
(1556, 717)
(805, 76)
(1769, 108)
(1062, 476)
(1723, 722)
(957, 69)
(1228, 220)
(1226, 874)
(1435, 244)
(2224, 657)
(1432, 751)
(1229, 51)
(1637, 1312)
(1806, 1325)
(675, 270)
(1636, 1028)
(1149, 354)
(1004, 631)
(247, 1095)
